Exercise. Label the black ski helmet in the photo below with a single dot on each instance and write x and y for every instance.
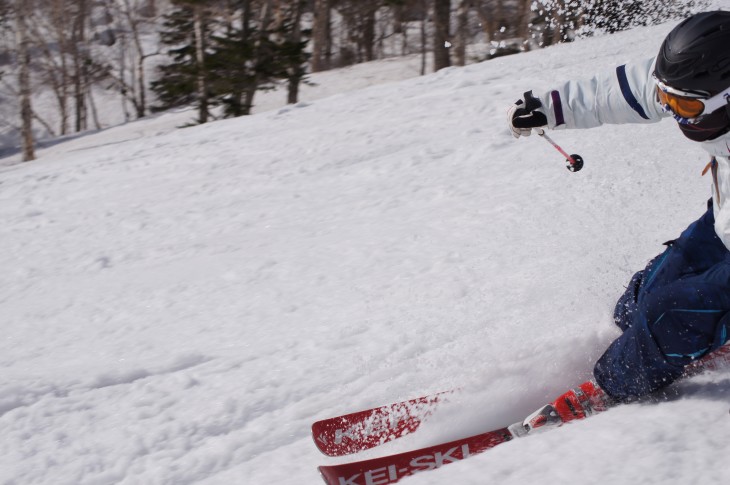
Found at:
(695, 56)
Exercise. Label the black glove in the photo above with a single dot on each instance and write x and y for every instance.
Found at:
(525, 115)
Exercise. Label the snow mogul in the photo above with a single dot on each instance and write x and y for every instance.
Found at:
(677, 309)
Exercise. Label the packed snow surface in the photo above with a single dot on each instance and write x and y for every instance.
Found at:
(179, 305)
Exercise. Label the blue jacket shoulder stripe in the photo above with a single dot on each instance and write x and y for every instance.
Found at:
(623, 82)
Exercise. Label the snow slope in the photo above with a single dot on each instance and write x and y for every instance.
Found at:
(180, 305)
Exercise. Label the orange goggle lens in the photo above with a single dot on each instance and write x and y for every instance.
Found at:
(681, 105)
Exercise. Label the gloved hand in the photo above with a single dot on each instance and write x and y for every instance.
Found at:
(525, 115)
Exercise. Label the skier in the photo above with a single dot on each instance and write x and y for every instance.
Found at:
(677, 309)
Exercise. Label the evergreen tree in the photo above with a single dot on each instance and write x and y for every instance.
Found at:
(235, 68)
(291, 55)
(247, 47)
(185, 80)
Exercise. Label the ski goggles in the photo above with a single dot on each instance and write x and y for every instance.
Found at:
(688, 106)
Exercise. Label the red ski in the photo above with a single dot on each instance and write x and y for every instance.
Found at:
(366, 429)
(390, 469)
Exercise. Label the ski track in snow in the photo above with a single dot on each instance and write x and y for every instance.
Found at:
(180, 305)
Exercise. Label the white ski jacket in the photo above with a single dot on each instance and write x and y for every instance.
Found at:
(628, 95)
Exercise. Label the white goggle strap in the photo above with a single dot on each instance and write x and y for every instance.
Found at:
(717, 101)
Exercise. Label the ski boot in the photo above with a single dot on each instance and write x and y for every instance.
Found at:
(578, 403)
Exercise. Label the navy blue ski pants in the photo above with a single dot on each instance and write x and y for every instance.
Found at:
(674, 311)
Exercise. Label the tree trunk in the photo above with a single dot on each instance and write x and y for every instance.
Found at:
(487, 20)
(524, 14)
(441, 37)
(498, 19)
(368, 33)
(122, 59)
(60, 21)
(397, 18)
(263, 31)
(26, 111)
(78, 45)
(398, 29)
(141, 104)
(424, 37)
(52, 41)
(94, 112)
(296, 73)
(140, 98)
(460, 36)
(202, 78)
(321, 36)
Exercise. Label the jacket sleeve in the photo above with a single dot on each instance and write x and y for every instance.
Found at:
(624, 95)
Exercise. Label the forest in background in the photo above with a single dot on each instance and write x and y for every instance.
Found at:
(61, 60)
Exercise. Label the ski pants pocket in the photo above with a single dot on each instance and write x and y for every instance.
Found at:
(627, 307)
(685, 335)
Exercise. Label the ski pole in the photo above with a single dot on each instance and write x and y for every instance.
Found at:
(574, 162)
